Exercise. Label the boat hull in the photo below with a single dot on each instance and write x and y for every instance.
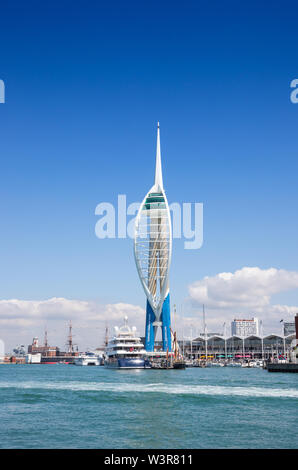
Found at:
(128, 363)
(179, 365)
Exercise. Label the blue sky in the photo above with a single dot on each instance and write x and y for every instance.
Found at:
(86, 83)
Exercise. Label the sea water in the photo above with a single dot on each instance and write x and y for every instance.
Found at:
(65, 406)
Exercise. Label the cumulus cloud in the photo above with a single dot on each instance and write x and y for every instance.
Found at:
(246, 291)
(246, 287)
(63, 309)
(20, 320)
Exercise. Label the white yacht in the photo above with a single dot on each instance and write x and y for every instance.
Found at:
(88, 359)
(256, 363)
(125, 350)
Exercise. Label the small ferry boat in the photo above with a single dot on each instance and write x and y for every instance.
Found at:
(125, 350)
(88, 359)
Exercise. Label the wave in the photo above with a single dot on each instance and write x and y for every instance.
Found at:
(172, 389)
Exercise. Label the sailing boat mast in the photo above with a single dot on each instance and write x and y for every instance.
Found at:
(205, 332)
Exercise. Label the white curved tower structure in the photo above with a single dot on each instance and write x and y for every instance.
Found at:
(153, 249)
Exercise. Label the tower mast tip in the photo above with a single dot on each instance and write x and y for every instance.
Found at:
(158, 171)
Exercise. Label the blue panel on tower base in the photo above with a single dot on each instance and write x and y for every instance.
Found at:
(149, 334)
(166, 325)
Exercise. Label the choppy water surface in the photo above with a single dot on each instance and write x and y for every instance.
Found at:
(64, 406)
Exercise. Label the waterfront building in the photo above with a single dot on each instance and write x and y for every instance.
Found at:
(33, 358)
(208, 335)
(45, 350)
(289, 328)
(152, 250)
(50, 354)
(245, 327)
(238, 347)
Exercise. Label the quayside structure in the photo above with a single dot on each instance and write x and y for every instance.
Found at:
(152, 250)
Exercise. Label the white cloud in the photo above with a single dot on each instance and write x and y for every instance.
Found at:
(247, 291)
(63, 309)
(20, 320)
(246, 287)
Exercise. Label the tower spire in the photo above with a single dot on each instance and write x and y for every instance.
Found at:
(158, 171)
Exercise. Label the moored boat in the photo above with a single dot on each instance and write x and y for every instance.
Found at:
(179, 364)
(125, 350)
(88, 359)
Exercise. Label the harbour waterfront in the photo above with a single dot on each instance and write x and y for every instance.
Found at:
(63, 406)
